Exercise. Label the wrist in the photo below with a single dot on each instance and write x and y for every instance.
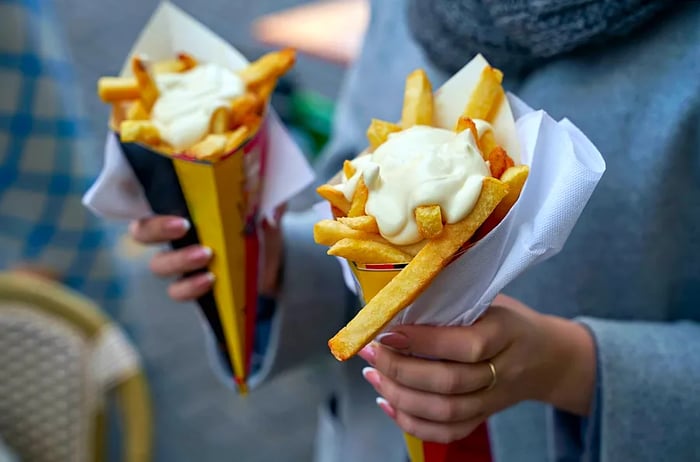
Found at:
(575, 363)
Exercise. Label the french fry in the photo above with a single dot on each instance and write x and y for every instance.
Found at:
(264, 92)
(379, 131)
(136, 111)
(328, 232)
(359, 199)
(487, 143)
(417, 100)
(243, 105)
(220, 120)
(268, 67)
(139, 131)
(361, 251)
(407, 285)
(515, 178)
(335, 197)
(465, 123)
(115, 89)
(366, 223)
(188, 61)
(348, 169)
(183, 62)
(211, 148)
(429, 220)
(148, 90)
(499, 161)
(236, 138)
(252, 122)
(168, 66)
(487, 96)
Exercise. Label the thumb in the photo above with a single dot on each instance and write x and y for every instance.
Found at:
(466, 344)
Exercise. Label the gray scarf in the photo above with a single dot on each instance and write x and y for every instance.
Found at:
(515, 35)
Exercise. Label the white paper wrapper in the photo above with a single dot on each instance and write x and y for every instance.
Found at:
(565, 168)
(117, 192)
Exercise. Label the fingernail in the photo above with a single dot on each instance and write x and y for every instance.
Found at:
(200, 253)
(369, 354)
(386, 407)
(371, 375)
(205, 279)
(395, 340)
(177, 224)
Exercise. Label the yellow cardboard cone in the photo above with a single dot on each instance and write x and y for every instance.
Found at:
(370, 280)
(214, 196)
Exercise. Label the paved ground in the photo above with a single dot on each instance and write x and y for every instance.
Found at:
(197, 418)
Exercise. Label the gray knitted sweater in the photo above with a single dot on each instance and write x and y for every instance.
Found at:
(630, 270)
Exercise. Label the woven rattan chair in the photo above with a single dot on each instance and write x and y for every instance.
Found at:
(60, 359)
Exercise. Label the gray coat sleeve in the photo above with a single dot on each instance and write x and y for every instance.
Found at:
(313, 302)
(647, 402)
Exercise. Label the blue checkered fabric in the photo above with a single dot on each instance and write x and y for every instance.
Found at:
(47, 158)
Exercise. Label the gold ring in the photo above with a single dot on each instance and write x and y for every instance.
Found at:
(494, 379)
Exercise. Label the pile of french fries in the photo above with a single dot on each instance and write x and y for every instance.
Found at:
(132, 99)
(354, 234)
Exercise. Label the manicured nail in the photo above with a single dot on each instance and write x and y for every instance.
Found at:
(177, 224)
(205, 279)
(200, 253)
(371, 375)
(395, 340)
(369, 354)
(386, 407)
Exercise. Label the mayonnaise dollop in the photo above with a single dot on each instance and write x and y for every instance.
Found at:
(419, 166)
(188, 99)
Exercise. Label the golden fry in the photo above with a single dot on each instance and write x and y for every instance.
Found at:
(241, 106)
(211, 148)
(335, 197)
(365, 252)
(236, 138)
(487, 143)
(515, 178)
(264, 92)
(183, 62)
(188, 61)
(417, 100)
(429, 220)
(168, 66)
(499, 161)
(139, 131)
(148, 90)
(115, 89)
(348, 169)
(220, 120)
(328, 232)
(487, 96)
(268, 67)
(379, 131)
(366, 223)
(407, 285)
(465, 123)
(359, 199)
(136, 111)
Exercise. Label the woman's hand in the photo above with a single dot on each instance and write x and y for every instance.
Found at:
(174, 263)
(535, 357)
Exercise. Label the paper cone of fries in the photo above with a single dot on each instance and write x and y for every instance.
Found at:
(193, 137)
(437, 270)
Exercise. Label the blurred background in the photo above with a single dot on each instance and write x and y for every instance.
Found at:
(195, 416)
